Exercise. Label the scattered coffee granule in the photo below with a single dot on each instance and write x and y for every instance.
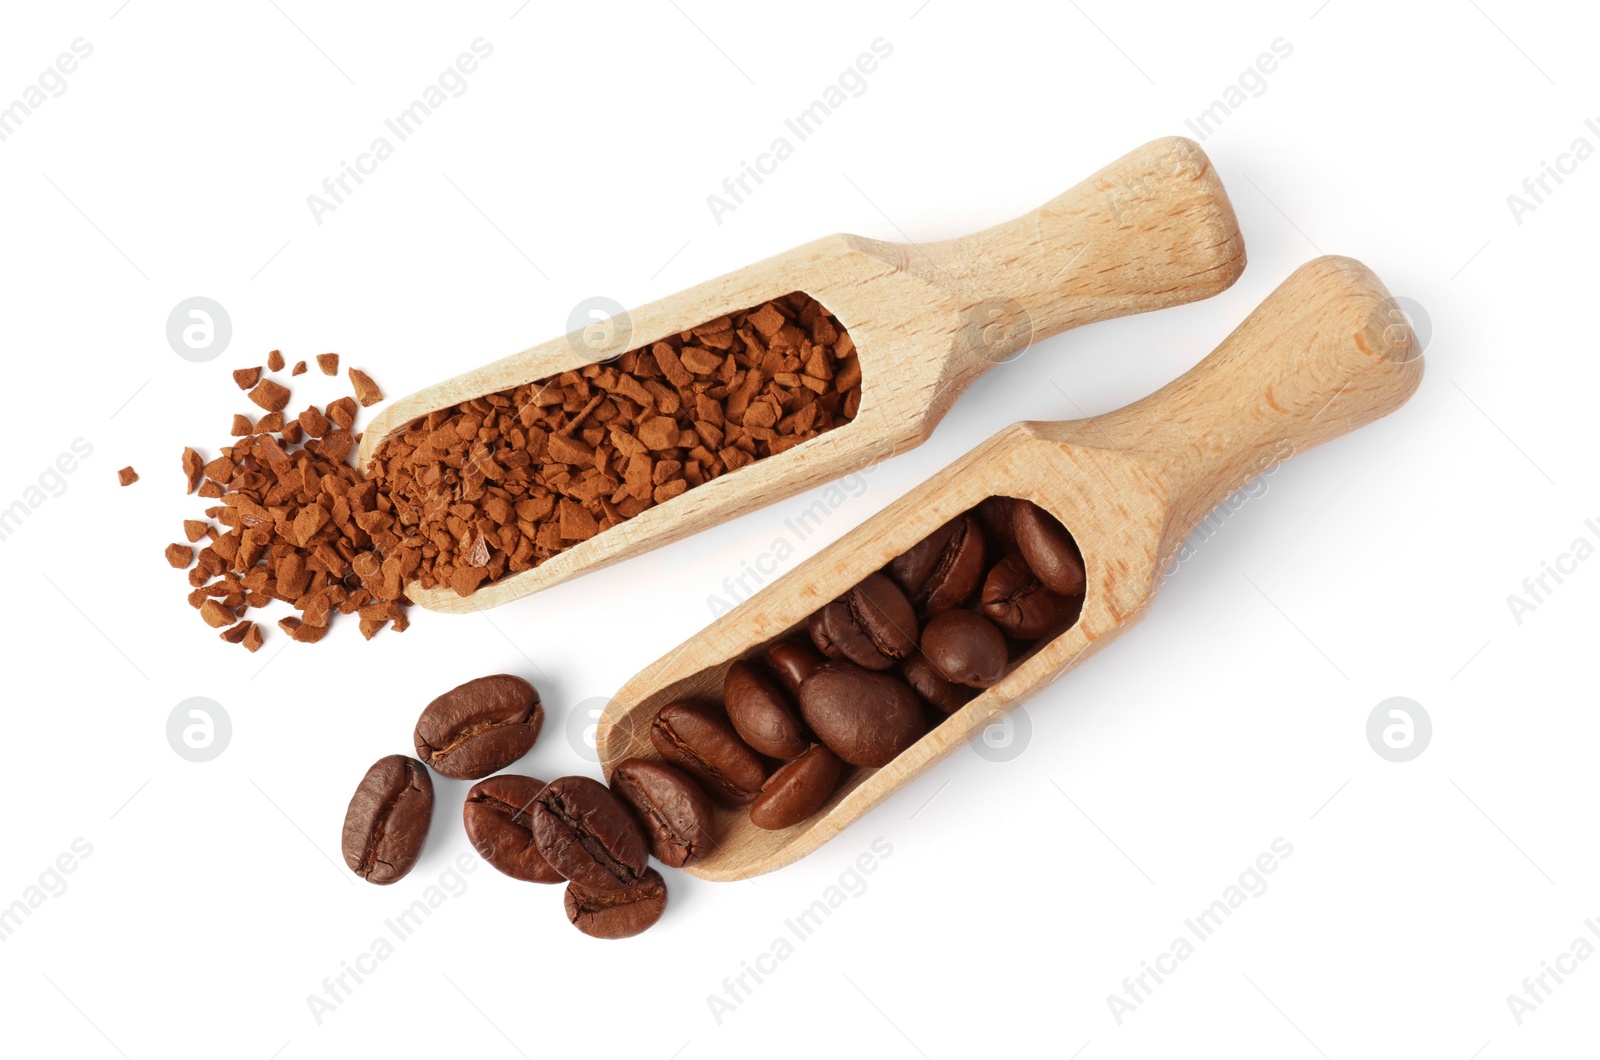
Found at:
(299, 368)
(180, 556)
(270, 396)
(298, 523)
(216, 615)
(247, 377)
(503, 482)
(329, 363)
(127, 476)
(241, 426)
(275, 361)
(192, 468)
(343, 412)
(367, 391)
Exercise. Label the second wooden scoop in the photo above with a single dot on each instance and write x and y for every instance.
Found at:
(1327, 352)
(1151, 230)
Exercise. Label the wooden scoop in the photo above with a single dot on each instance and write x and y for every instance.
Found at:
(1327, 352)
(1153, 229)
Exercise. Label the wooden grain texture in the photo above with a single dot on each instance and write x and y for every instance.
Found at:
(1327, 352)
(1151, 230)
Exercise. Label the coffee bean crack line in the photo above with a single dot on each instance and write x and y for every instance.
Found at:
(436, 753)
(705, 764)
(595, 848)
(369, 858)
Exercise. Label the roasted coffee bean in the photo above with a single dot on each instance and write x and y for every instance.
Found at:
(943, 570)
(793, 660)
(997, 514)
(797, 790)
(926, 681)
(1049, 549)
(675, 811)
(702, 741)
(620, 914)
(480, 727)
(499, 819)
(1014, 599)
(872, 625)
(761, 713)
(588, 835)
(966, 648)
(387, 822)
(864, 717)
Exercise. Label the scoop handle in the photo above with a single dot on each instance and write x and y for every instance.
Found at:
(1325, 353)
(1152, 229)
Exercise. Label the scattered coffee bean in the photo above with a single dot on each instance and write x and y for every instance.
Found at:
(865, 717)
(937, 691)
(943, 570)
(793, 660)
(588, 835)
(872, 625)
(797, 790)
(620, 914)
(499, 819)
(480, 727)
(675, 811)
(761, 713)
(387, 821)
(1014, 599)
(702, 741)
(1049, 549)
(966, 648)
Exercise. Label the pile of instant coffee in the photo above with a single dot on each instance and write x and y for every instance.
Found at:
(297, 521)
(883, 663)
(501, 483)
(496, 485)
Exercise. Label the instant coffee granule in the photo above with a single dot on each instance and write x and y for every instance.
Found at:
(296, 522)
(503, 482)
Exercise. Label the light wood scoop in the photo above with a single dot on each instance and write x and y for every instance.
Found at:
(1151, 230)
(1327, 352)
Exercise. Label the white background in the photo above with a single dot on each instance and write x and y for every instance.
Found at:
(1019, 894)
